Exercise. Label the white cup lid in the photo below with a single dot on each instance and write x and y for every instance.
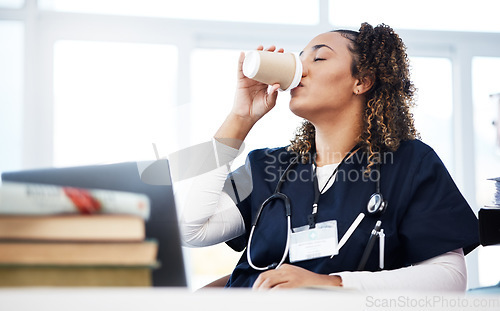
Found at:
(251, 64)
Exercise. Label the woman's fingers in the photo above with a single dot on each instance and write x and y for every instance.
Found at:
(240, 65)
(272, 48)
(272, 278)
(274, 88)
(268, 280)
(289, 276)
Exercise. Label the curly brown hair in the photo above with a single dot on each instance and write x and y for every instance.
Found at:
(378, 53)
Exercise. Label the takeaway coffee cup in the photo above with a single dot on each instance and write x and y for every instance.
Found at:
(272, 67)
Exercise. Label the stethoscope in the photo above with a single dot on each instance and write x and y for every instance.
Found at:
(376, 206)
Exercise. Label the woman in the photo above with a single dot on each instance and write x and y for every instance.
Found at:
(358, 139)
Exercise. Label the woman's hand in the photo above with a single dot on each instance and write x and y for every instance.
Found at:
(289, 276)
(253, 99)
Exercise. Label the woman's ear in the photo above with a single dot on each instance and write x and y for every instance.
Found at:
(363, 85)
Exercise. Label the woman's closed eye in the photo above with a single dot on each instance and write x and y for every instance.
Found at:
(319, 59)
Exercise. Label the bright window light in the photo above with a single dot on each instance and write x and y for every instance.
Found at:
(479, 15)
(11, 95)
(259, 11)
(11, 4)
(485, 83)
(433, 114)
(112, 101)
(487, 155)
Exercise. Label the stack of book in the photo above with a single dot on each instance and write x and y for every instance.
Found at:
(62, 236)
(496, 197)
(489, 218)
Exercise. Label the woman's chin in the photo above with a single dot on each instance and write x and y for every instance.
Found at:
(297, 109)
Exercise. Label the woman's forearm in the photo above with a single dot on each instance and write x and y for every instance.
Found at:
(234, 130)
(446, 272)
(207, 214)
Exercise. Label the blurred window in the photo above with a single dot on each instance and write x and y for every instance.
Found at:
(434, 98)
(479, 15)
(260, 11)
(11, 4)
(485, 82)
(112, 100)
(11, 94)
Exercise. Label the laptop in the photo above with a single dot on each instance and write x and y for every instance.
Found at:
(150, 178)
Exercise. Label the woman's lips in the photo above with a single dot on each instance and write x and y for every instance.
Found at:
(296, 88)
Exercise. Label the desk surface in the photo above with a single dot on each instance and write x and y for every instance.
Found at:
(152, 299)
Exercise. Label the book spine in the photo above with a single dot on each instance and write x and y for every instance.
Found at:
(40, 199)
(74, 276)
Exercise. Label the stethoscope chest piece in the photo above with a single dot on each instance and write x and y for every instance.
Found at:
(376, 205)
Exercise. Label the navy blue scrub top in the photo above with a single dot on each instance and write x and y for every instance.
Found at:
(426, 214)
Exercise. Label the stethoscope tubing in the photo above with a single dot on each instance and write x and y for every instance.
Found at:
(276, 195)
(285, 253)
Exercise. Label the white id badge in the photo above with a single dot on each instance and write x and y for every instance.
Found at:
(314, 243)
